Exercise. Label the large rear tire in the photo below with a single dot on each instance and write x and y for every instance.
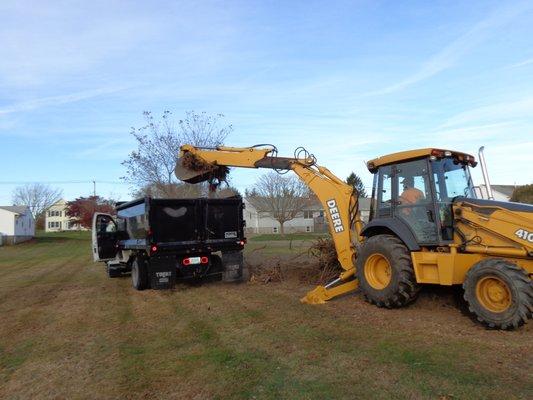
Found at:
(139, 274)
(499, 294)
(385, 272)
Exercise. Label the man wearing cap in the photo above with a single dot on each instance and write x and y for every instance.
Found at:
(410, 194)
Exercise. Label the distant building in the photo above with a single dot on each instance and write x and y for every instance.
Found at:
(311, 219)
(16, 224)
(499, 192)
(56, 219)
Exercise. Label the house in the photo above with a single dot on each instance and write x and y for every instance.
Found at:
(311, 219)
(499, 192)
(16, 224)
(56, 219)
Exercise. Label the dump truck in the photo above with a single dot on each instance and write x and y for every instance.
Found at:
(426, 227)
(161, 241)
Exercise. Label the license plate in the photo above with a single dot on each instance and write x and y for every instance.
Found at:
(194, 260)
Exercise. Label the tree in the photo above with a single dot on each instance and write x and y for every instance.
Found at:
(82, 209)
(356, 182)
(151, 167)
(279, 196)
(37, 196)
(523, 194)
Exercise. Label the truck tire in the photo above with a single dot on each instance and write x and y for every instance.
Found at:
(113, 271)
(233, 264)
(499, 294)
(385, 272)
(139, 274)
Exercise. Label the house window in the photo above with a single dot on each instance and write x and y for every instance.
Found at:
(308, 214)
(275, 229)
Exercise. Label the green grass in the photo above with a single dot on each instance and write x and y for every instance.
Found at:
(68, 331)
(287, 237)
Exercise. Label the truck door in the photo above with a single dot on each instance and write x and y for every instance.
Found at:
(104, 237)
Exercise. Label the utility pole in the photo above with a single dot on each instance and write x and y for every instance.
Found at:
(94, 188)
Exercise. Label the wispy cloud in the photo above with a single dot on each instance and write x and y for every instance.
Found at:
(509, 110)
(450, 54)
(58, 100)
(522, 64)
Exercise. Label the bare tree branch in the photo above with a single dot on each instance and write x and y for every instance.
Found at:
(37, 196)
(279, 196)
(150, 168)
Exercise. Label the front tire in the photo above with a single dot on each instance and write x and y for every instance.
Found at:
(112, 271)
(385, 272)
(139, 274)
(499, 294)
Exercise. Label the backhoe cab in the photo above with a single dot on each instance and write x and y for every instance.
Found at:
(426, 227)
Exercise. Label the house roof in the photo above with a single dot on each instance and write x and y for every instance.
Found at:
(315, 205)
(504, 189)
(15, 209)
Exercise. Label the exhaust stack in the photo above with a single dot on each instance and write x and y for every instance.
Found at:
(485, 173)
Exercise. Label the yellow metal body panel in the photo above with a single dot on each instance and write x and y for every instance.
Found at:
(408, 155)
(451, 268)
(492, 229)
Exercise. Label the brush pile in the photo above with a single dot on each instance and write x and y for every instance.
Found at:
(211, 171)
(323, 250)
(267, 273)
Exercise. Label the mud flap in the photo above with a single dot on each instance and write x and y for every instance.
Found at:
(162, 272)
(233, 264)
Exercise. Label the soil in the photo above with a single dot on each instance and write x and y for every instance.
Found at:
(438, 309)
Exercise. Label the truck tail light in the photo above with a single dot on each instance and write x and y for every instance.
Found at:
(204, 260)
(153, 248)
(186, 261)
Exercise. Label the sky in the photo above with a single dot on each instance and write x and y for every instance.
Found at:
(348, 80)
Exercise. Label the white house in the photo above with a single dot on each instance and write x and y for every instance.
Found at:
(311, 219)
(16, 224)
(56, 218)
(499, 192)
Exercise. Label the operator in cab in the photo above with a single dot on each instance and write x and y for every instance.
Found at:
(410, 194)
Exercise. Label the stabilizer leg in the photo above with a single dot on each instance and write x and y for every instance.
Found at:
(321, 294)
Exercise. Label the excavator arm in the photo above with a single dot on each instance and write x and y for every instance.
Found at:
(340, 203)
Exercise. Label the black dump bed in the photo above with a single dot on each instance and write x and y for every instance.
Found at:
(179, 224)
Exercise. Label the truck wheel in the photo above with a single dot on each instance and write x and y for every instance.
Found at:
(499, 294)
(139, 274)
(112, 271)
(385, 272)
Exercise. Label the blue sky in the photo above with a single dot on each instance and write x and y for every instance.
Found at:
(349, 80)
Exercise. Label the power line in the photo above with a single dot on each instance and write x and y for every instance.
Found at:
(61, 182)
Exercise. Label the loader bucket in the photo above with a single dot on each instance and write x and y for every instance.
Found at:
(192, 169)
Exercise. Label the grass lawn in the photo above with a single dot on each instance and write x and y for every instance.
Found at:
(68, 331)
(288, 237)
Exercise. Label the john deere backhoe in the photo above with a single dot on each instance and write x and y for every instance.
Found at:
(426, 227)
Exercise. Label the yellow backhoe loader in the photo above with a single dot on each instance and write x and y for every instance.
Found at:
(426, 227)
